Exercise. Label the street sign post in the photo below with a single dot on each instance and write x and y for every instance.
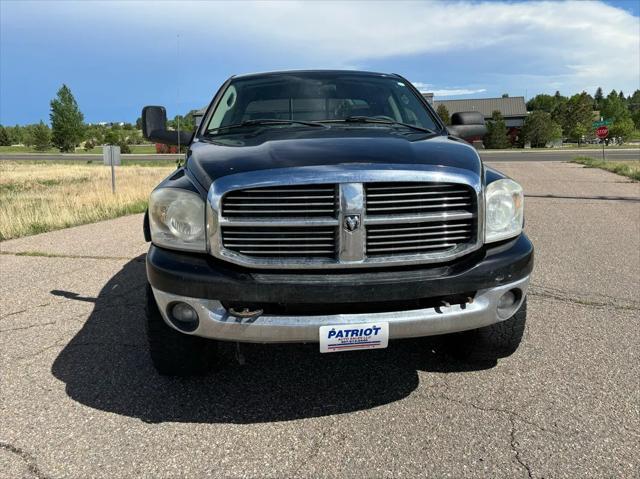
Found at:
(599, 123)
(602, 132)
(111, 157)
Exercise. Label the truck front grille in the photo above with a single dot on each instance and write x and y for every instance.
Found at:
(281, 241)
(419, 200)
(416, 238)
(416, 198)
(281, 201)
(368, 223)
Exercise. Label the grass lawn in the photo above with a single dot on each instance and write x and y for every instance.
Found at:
(43, 196)
(143, 149)
(630, 169)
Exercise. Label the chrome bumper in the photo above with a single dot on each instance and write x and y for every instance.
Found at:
(217, 323)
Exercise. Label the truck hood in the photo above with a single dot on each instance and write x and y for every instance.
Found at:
(209, 160)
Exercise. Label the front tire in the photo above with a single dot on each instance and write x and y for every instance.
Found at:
(174, 353)
(492, 342)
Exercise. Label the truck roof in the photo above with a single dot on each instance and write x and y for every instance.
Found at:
(297, 72)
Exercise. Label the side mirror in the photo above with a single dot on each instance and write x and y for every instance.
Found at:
(468, 125)
(154, 127)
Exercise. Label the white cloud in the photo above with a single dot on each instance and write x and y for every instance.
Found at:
(457, 92)
(574, 44)
(428, 87)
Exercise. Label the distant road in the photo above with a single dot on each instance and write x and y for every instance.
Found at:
(559, 155)
(85, 156)
(488, 155)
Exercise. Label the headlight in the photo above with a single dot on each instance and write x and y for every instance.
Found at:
(177, 219)
(504, 210)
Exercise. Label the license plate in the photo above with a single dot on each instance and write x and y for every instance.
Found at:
(349, 337)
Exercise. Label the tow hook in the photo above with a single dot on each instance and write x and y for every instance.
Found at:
(245, 314)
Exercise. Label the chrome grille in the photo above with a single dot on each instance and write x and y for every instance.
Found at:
(268, 241)
(281, 201)
(416, 238)
(412, 198)
(345, 216)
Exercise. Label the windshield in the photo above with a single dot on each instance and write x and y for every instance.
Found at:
(318, 97)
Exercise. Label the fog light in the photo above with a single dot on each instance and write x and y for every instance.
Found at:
(508, 303)
(183, 316)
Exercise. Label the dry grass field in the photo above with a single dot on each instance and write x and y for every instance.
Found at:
(39, 197)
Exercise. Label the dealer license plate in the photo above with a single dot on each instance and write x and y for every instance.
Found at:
(348, 337)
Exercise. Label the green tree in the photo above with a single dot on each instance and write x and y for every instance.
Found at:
(28, 135)
(4, 137)
(41, 137)
(186, 123)
(597, 99)
(614, 108)
(111, 137)
(66, 121)
(548, 103)
(16, 134)
(575, 116)
(622, 128)
(443, 113)
(633, 103)
(539, 129)
(496, 136)
(117, 137)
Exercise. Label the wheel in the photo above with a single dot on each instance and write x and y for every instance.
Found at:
(174, 353)
(492, 342)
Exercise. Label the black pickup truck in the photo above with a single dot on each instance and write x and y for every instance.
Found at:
(332, 207)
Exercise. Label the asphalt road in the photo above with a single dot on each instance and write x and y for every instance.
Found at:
(559, 155)
(80, 398)
(487, 155)
(85, 157)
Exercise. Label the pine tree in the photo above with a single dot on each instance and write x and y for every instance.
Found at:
(4, 137)
(41, 137)
(598, 97)
(443, 113)
(496, 136)
(66, 121)
(539, 129)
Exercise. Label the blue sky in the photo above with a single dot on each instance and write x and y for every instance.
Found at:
(119, 56)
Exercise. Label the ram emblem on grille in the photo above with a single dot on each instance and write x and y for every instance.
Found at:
(352, 222)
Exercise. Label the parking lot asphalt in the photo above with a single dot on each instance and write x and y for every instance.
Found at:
(80, 398)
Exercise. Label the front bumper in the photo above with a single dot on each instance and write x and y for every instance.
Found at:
(206, 283)
(217, 323)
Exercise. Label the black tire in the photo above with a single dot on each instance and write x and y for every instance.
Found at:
(492, 342)
(174, 353)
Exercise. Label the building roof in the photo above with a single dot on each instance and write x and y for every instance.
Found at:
(509, 106)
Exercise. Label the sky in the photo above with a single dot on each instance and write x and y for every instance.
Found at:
(117, 56)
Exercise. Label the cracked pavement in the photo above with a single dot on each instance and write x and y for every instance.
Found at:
(79, 397)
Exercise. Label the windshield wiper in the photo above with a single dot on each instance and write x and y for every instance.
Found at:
(266, 121)
(381, 120)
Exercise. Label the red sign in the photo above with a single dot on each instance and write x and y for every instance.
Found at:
(602, 132)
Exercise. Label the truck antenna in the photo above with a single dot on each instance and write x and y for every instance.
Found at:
(178, 90)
